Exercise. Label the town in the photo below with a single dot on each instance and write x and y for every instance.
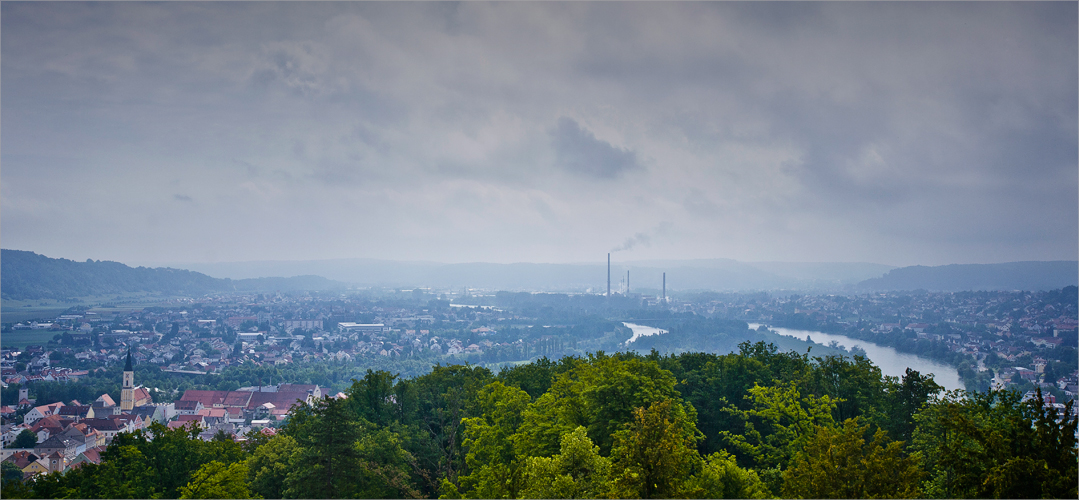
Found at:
(209, 364)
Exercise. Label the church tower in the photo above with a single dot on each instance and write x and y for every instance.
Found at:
(127, 393)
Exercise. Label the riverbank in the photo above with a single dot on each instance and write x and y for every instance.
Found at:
(891, 361)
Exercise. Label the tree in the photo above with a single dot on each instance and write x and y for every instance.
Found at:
(176, 454)
(995, 444)
(373, 397)
(218, 480)
(124, 473)
(839, 463)
(489, 438)
(775, 428)
(600, 393)
(853, 384)
(341, 455)
(269, 465)
(25, 439)
(10, 472)
(904, 399)
(435, 404)
(325, 433)
(778, 424)
(578, 471)
(721, 477)
(655, 454)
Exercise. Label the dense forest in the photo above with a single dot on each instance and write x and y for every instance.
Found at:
(756, 423)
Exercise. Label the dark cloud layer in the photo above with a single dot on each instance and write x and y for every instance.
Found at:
(891, 132)
(579, 151)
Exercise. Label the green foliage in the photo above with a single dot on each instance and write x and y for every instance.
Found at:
(536, 377)
(655, 454)
(721, 477)
(607, 426)
(600, 393)
(839, 463)
(578, 471)
(712, 383)
(269, 465)
(157, 463)
(11, 481)
(218, 480)
(996, 445)
(778, 424)
(435, 405)
(489, 439)
(25, 439)
(854, 384)
(325, 433)
(340, 455)
(903, 400)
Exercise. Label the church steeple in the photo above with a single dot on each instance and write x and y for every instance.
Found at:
(127, 392)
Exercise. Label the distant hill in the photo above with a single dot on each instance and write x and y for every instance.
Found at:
(29, 276)
(701, 274)
(1032, 276)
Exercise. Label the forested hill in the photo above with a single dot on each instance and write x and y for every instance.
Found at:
(1031, 276)
(29, 276)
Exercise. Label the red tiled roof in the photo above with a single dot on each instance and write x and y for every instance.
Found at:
(187, 405)
(213, 412)
(237, 399)
(92, 455)
(102, 424)
(207, 398)
(281, 400)
(178, 424)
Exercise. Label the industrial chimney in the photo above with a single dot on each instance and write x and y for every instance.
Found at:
(608, 275)
(664, 288)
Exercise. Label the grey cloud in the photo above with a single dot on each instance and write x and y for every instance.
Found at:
(299, 66)
(182, 197)
(952, 125)
(632, 241)
(644, 238)
(578, 150)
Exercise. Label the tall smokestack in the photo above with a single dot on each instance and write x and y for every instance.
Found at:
(608, 275)
(664, 288)
(627, 283)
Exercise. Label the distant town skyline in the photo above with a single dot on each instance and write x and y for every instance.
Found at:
(910, 133)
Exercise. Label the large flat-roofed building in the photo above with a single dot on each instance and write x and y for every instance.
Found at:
(361, 327)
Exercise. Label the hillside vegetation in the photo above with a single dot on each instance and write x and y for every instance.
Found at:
(753, 424)
(29, 276)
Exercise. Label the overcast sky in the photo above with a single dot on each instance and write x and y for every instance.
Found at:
(901, 134)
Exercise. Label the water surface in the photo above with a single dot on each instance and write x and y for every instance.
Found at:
(890, 361)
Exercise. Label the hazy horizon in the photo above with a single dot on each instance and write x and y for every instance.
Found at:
(916, 133)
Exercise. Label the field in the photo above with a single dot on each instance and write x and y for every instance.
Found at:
(23, 338)
(23, 311)
(20, 314)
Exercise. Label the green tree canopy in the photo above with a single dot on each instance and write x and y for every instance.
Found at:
(578, 471)
(997, 445)
(269, 465)
(218, 480)
(655, 454)
(25, 439)
(721, 477)
(840, 463)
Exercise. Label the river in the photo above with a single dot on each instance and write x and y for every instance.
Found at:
(890, 361)
(642, 331)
